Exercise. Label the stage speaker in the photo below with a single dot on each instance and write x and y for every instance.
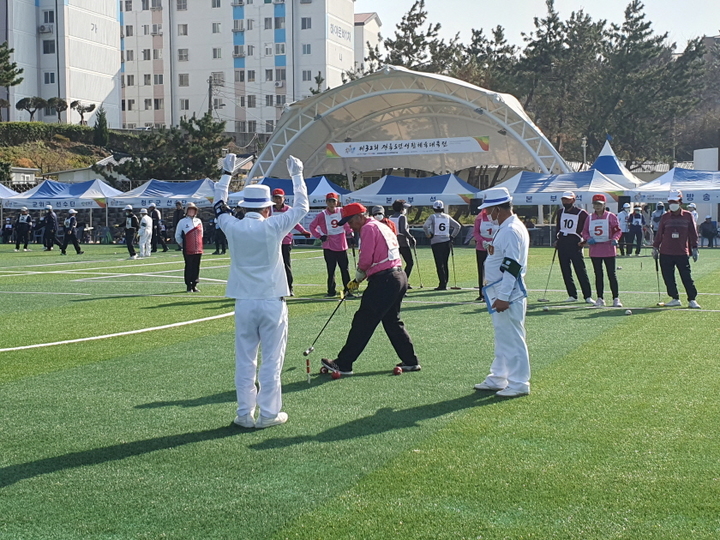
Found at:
(474, 203)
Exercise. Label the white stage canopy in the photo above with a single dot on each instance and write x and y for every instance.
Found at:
(528, 188)
(417, 191)
(696, 186)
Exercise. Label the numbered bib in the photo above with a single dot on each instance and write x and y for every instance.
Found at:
(442, 226)
(331, 222)
(600, 230)
(637, 221)
(67, 222)
(568, 223)
(391, 242)
(486, 229)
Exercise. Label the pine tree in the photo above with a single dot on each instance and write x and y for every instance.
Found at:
(9, 72)
(101, 135)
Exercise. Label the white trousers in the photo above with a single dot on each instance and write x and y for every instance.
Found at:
(511, 366)
(145, 241)
(259, 322)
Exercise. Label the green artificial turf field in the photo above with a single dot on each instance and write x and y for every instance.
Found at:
(128, 436)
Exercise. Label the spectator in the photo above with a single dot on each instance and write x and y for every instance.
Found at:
(708, 230)
(178, 214)
(622, 217)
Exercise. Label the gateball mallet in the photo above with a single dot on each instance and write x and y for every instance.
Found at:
(417, 263)
(311, 348)
(544, 298)
(657, 275)
(452, 256)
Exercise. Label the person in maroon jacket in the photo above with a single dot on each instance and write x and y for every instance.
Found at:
(676, 240)
(570, 221)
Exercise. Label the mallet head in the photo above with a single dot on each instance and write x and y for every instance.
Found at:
(308, 351)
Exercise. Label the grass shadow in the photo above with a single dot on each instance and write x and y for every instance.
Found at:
(221, 397)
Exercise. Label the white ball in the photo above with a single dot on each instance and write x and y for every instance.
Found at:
(628, 312)
(545, 308)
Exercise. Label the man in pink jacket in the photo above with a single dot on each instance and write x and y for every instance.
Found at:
(483, 233)
(602, 232)
(326, 226)
(279, 207)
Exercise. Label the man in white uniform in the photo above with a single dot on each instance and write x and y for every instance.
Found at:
(257, 282)
(146, 226)
(506, 297)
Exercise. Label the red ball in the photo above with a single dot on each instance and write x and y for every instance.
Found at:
(335, 375)
(397, 370)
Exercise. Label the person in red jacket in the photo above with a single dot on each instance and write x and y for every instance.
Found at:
(189, 236)
(279, 207)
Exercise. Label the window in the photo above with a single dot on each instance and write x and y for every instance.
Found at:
(145, 4)
(149, 124)
(146, 29)
(49, 77)
(148, 104)
(216, 28)
(306, 75)
(268, 23)
(307, 48)
(48, 17)
(147, 79)
(250, 24)
(252, 126)
(279, 23)
(269, 126)
(239, 75)
(130, 104)
(218, 78)
(216, 3)
(242, 101)
(239, 51)
(131, 80)
(251, 101)
(280, 99)
(48, 46)
(129, 126)
(240, 126)
(128, 7)
(251, 50)
(269, 100)
(280, 74)
(268, 74)
(305, 23)
(157, 29)
(146, 54)
(184, 79)
(217, 52)
(251, 75)
(156, 4)
(184, 104)
(122, 105)
(238, 25)
(268, 49)
(128, 31)
(158, 104)
(218, 103)
(130, 55)
(182, 5)
(158, 78)
(279, 48)
(182, 29)
(157, 54)
(182, 55)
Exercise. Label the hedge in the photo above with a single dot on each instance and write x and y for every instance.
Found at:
(17, 133)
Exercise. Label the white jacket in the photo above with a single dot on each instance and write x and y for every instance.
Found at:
(256, 266)
(146, 226)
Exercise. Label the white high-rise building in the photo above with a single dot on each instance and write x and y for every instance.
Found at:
(367, 36)
(68, 49)
(241, 59)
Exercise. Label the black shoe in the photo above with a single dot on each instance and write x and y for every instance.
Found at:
(195, 289)
(80, 252)
(63, 253)
(408, 367)
(409, 287)
(215, 253)
(332, 367)
(166, 249)
(480, 298)
(222, 252)
(331, 295)
(153, 251)
(350, 296)
(440, 289)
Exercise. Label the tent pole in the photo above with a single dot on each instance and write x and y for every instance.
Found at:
(348, 173)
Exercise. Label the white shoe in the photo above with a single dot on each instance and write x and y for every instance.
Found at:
(571, 299)
(26, 250)
(693, 304)
(617, 303)
(133, 258)
(600, 302)
(18, 250)
(673, 303)
(265, 421)
(246, 421)
(508, 392)
(589, 300)
(488, 387)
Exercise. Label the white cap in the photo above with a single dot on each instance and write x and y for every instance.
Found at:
(438, 205)
(151, 205)
(675, 195)
(143, 211)
(48, 207)
(256, 196)
(72, 211)
(708, 217)
(494, 197)
(692, 205)
(128, 207)
(567, 195)
(24, 209)
(626, 205)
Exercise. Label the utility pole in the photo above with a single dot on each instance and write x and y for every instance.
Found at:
(584, 147)
(210, 95)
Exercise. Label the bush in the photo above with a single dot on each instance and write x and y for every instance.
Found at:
(60, 138)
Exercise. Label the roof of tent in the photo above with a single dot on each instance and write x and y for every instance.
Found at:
(608, 164)
(535, 188)
(696, 186)
(331, 132)
(416, 191)
(166, 194)
(318, 187)
(90, 194)
(6, 192)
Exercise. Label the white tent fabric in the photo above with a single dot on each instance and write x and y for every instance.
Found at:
(318, 187)
(90, 194)
(417, 191)
(166, 194)
(528, 188)
(6, 192)
(608, 164)
(696, 186)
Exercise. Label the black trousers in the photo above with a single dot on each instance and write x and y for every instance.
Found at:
(70, 238)
(285, 249)
(22, 236)
(609, 263)
(441, 254)
(157, 236)
(622, 243)
(192, 270)
(406, 254)
(333, 259)
(220, 241)
(668, 263)
(51, 239)
(711, 240)
(129, 241)
(634, 237)
(570, 256)
(480, 256)
(380, 303)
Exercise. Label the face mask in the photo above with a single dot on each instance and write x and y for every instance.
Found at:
(567, 206)
(378, 217)
(674, 207)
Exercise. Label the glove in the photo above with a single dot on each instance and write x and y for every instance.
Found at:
(485, 244)
(323, 238)
(655, 253)
(695, 254)
(221, 208)
(359, 275)
(229, 164)
(352, 286)
(614, 242)
(592, 241)
(294, 166)
(306, 234)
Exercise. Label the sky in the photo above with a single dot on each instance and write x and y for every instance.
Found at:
(683, 20)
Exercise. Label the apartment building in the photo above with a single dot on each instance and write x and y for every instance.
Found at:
(68, 49)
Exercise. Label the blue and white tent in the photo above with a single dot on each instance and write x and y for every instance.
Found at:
(318, 187)
(608, 164)
(696, 186)
(417, 191)
(90, 194)
(6, 192)
(165, 194)
(531, 188)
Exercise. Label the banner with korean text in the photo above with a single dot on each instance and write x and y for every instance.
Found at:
(450, 145)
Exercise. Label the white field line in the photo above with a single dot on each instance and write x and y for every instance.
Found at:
(40, 292)
(107, 336)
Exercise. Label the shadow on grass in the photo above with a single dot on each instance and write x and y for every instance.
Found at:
(221, 397)
(14, 473)
(225, 302)
(385, 419)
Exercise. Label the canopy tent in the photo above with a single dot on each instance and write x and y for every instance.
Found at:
(6, 192)
(318, 187)
(166, 194)
(397, 118)
(416, 191)
(696, 186)
(608, 164)
(90, 194)
(534, 188)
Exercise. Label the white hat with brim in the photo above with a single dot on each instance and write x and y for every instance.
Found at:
(675, 195)
(495, 197)
(48, 207)
(256, 196)
(72, 211)
(567, 195)
(708, 217)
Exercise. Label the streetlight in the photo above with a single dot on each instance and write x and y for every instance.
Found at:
(584, 147)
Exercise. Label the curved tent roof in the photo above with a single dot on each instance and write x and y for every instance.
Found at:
(6, 192)
(90, 194)
(696, 186)
(318, 187)
(535, 188)
(416, 191)
(165, 194)
(331, 132)
(608, 164)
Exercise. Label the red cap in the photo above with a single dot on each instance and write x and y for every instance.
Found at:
(598, 198)
(332, 195)
(352, 209)
(278, 191)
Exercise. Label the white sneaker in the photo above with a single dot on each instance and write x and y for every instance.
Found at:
(508, 392)
(589, 300)
(26, 250)
(673, 303)
(571, 299)
(693, 304)
(600, 302)
(617, 303)
(18, 250)
(488, 387)
(265, 421)
(246, 421)
(133, 258)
